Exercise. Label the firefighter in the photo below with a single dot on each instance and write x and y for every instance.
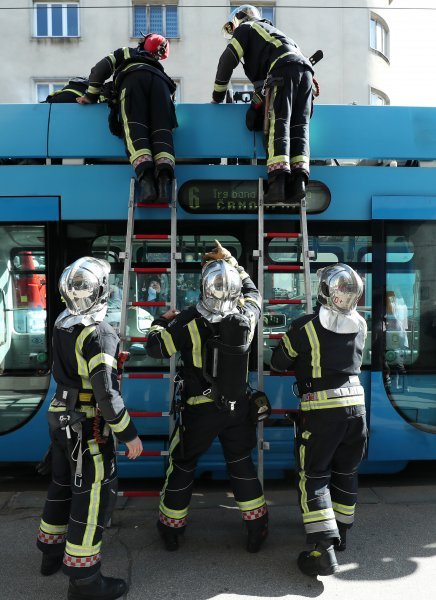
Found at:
(76, 88)
(213, 338)
(325, 350)
(144, 113)
(86, 410)
(279, 72)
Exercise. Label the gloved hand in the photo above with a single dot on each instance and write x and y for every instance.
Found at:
(254, 118)
(219, 253)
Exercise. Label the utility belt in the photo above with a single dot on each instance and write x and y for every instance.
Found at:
(349, 393)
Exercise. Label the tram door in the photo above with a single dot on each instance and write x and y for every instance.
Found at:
(25, 227)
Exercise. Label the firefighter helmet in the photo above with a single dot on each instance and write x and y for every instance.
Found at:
(339, 288)
(84, 285)
(220, 287)
(239, 15)
(156, 45)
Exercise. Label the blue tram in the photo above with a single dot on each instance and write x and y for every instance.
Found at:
(64, 185)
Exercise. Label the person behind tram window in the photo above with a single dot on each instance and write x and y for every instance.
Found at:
(273, 63)
(152, 293)
(86, 410)
(144, 112)
(397, 342)
(325, 349)
(218, 330)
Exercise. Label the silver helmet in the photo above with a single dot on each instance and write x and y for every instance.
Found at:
(339, 288)
(84, 285)
(246, 12)
(220, 287)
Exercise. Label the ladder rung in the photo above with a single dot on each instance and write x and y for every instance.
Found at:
(138, 494)
(285, 301)
(141, 413)
(128, 338)
(152, 205)
(280, 268)
(145, 375)
(144, 453)
(284, 411)
(148, 303)
(150, 269)
(275, 336)
(281, 234)
(151, 236)
(277, 374)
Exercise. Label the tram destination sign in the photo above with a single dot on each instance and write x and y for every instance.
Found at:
(236, 196)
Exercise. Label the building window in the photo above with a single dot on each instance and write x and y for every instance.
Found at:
(44, 88)
(242, 92)
(379, 35)
(378, 98)
(56, 19)
(156, 18)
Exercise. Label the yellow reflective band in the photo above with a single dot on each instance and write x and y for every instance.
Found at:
(111, 58)
(174, 442)
(299, 159)
(173, 514)
(168, 341)
(278, 58)
(332, 403)
(318, 515)
(85, 397)
(302, 482)
(194, 400)
(126, 52)
(343, 508)
(314, 344)
(55, 529)
(266, 36)
(196, 344)
(82, 366)
(129, 143)
(93, 89)
(164, 155)
(75, 550)
(252, 504)
(306, 435)
(287, 343)
(89, 411)
(254, 301)
(278, 159)
(155, 328)
(70, 90)
(218, 87)
(121, 426)
(94, 497)
(272, 126)
(138, 153)
(102, 359)
(237, 46)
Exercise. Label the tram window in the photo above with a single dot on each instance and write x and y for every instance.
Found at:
(410, 321)
(23, 323)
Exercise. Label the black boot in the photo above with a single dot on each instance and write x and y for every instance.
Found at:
(170, 536)
(320, 561)
(97, 587)
(51, 564)
(164, 186)
(276, 190)
(297, 187)
(341, 544)
(147, 188)
(257, 533)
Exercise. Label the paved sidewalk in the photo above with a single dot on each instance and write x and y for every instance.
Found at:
(391, 551)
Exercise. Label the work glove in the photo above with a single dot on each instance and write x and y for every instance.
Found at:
(219, 253)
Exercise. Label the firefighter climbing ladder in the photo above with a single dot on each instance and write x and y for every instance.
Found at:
(127, 304)
(302, 267)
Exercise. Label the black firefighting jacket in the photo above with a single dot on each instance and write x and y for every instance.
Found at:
(119, 63)
(189, 331)
(85, 358)
(321, 358)
(261, 48)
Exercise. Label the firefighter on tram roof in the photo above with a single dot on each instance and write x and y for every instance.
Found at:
(279, 71)
(86, 410)
(213, 339)
(325, 349)
(143, 111)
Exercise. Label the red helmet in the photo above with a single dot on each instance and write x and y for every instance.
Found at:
(156, 45)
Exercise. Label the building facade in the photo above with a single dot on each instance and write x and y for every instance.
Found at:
(47, 43)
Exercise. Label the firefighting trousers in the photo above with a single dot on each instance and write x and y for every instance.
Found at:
(77, 509)
(330, 445)
(203, 422)
(147, 117)
(290, 110)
